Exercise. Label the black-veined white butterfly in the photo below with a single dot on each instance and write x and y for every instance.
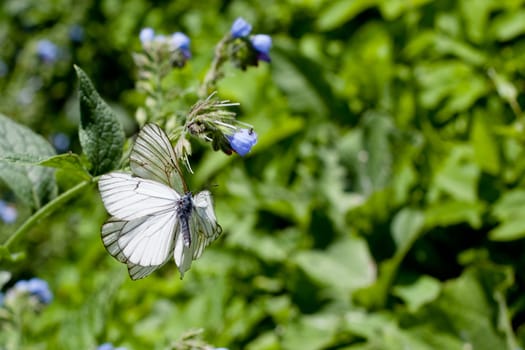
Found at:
(154, 216)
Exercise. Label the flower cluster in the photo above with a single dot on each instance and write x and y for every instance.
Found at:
(210, 121)
(35, 288)
(245, 49)
(176, 46)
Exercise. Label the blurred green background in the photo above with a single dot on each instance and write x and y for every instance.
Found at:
(382, 209)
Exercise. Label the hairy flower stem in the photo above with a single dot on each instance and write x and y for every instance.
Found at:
(47, 209)
(214, 73)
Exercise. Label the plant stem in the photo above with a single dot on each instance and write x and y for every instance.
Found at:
(48, 209)
(214, 72)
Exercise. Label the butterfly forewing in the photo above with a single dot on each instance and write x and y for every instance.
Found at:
(127, 197)
(153, 157)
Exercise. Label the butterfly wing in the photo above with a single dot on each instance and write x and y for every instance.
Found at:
(111, 231)
(204, 215)
(152, 157)
(127, 197)
(182, 254)
(144, 222)
(204, 229)
(145, 227)
(144, 244)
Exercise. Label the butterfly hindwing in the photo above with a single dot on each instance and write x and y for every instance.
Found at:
(144, 244)
(205, 215)
(110, 233)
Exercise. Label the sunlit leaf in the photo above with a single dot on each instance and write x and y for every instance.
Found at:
(485, 146)
(67, 161)
(346, 266)
(100, 133)
(33, 185)
(422, 291)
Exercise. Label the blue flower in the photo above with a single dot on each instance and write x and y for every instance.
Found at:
(109, 346)
(262, 43)
(105, 346)
(240, 28)
(61, 142)
(242, 141)
(4, 69)
(47, 51)
(36, 287)
(8, 212)
(146, 35)
(76, 33)
(181, 42)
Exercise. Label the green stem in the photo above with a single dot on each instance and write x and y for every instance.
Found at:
(214, 72)
(48, 209)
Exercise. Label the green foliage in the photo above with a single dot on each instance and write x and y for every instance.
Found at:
(100, 133)
(382, 207)
(33, 186)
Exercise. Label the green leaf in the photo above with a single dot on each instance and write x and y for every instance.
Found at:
(68, 161)
(383, 332)
(338, 12)
(79, 328)
(451, 82)
(265, 341)
(33, 185)
(457, 177)
(311, 332)
(100, 133)
(344, 267)
(510, 205)
(508, 25)
(509, 210)
(423, 290)
(466, 310)
(392, 9)
(406, 228)
(376, 166)
(486, 151)
(509, 231)
(452, 212)
(5, 276)
(7, 256)
(476, 14)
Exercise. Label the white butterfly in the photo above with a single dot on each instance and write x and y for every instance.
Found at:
(151, 220)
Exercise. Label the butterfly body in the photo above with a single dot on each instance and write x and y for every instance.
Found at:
(154, 216)
(184, 209)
